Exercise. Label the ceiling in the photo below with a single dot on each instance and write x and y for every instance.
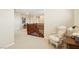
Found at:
(30, 11)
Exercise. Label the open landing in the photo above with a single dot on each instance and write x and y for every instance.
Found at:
(24, 41)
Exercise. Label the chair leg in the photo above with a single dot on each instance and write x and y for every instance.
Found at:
(56, 46)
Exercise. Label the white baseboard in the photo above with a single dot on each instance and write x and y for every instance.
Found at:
(6, 46)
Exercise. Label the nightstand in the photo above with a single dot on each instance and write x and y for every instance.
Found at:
(71, 43)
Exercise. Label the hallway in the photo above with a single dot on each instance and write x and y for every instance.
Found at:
(24, 41)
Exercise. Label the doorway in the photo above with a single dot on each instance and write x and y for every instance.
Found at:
(31, 20)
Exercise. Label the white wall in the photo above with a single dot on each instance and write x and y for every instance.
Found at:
(18, 22)
(41, 19)
(76, 17)
(6, 27)
(57, 17)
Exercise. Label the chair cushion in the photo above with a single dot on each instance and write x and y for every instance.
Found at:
(54, 38)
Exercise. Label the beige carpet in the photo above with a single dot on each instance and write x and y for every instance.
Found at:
(24, 41)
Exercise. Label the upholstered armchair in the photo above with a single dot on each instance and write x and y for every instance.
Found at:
(58, 37)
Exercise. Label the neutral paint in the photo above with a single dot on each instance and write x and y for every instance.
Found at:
(76, 17)
(57, 17)
(18, 22)
(6, 27)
